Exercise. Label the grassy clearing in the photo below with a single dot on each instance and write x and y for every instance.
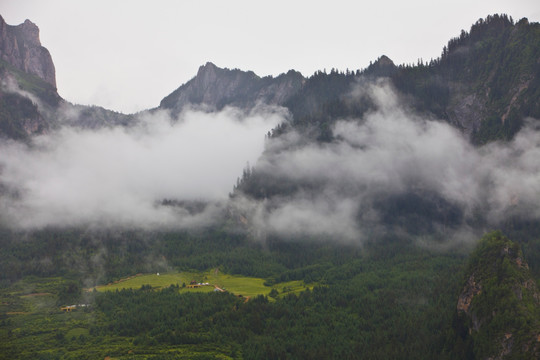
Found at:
(236, 284)
(240, 285)
(154, 280)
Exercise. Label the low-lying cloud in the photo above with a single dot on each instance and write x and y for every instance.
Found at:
(120, 175)
(392, 168)
(391, 171)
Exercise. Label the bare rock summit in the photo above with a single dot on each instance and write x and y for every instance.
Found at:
(21, 48)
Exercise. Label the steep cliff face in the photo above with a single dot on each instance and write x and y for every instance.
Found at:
(499, 304)
(28, 96)
(29, 102)
(217, 87)
(20, 47)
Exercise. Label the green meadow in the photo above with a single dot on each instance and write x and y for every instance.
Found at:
(236, 284)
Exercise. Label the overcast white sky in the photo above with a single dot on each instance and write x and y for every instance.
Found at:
(128, 55)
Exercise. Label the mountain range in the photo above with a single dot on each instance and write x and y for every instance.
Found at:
(402, 162)
(485, 83)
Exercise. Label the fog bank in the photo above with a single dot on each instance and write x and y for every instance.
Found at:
(394, 171)
(119, 176)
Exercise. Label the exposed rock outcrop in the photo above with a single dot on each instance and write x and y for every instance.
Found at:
(466, 111)
(20, 47)
(216, 87)
(470, 290)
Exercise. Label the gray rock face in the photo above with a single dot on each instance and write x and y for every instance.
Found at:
(21, 48)
(466, 112)
(217, 87)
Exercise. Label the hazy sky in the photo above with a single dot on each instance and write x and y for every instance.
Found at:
(128, 55)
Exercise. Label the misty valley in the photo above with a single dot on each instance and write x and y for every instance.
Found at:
(390, 212)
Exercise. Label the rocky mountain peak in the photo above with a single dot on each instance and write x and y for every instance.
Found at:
(30, 32)
(207, 74)
(219, 87)
(383, 66)
(209, 66)
(384, 61)
(20, 47)
(499, 296)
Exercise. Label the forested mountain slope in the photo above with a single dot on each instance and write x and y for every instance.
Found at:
(485, 83)
(353, 145)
